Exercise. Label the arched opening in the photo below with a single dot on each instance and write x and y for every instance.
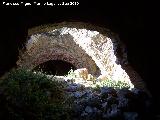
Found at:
(55, 67)
(82, 45)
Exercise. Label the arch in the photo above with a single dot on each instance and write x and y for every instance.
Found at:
(81, 44)
(55, 67)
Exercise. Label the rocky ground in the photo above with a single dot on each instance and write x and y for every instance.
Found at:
(106, 103)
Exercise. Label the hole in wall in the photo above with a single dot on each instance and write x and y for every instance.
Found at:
(55, 67)
(75, 42)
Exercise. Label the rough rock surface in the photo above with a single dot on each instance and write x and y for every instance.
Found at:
(106, 102)
(97, 49)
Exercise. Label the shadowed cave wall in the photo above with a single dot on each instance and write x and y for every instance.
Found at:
(55, 67)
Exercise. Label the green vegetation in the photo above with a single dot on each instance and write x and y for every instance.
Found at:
(25, 94)
(108, 82)
(115, 84)
(71, 74)
(28, 95)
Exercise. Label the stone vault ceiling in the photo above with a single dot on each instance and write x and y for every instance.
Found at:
(81, 44)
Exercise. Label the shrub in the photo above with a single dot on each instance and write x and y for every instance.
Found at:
(71, 74)
(115, 84)
(28, 95)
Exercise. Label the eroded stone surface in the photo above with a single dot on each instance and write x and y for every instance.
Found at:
(102, 54)
(105, 102)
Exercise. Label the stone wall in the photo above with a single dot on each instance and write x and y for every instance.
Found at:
(85, 46)
(53, 46)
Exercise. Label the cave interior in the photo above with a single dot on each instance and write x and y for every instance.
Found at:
(121, 18)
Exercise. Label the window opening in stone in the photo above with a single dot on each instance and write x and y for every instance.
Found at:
(55, 67)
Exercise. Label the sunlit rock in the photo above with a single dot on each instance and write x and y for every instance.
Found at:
(85, 46)
(81, 73)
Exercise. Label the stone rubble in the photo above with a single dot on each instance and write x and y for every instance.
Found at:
(106, 102)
